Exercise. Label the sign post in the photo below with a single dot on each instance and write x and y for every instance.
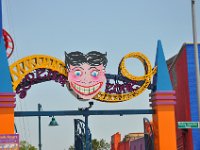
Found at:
(188, 125)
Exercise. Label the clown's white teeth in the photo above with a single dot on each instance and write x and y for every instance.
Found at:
(97, 86)
(86, 90)
(91, 89)
(81, 89)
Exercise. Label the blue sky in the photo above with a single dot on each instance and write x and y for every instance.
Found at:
(113, 26)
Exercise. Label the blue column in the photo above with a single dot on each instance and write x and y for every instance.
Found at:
(39, 128)
(5, 79)
(87, 138)
(0, 19)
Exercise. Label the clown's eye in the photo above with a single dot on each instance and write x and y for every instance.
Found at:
(77, 73)
(94, 73)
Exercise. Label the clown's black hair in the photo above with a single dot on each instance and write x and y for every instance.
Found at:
(92, 58)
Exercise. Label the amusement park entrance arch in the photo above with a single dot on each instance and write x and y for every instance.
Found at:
(84, 75)
(39, 68)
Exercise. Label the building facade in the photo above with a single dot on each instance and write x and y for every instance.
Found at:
(183, 77)
(132, 141)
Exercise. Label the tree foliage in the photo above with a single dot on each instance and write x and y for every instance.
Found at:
(24, 145)
(71, 148)
(100, 145)
(97, 145)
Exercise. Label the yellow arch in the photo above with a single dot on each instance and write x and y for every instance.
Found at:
(22, 67)
(106, 97)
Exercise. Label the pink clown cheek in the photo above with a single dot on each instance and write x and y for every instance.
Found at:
(101, 77)
(73, 78)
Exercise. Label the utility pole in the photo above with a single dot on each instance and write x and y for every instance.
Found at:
(39, 126)
(87, 138)
(88, 144)
(196, 54)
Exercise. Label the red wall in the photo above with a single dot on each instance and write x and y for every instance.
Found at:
(115, 140)
(117, 144)
(179, 78)
(124, 146)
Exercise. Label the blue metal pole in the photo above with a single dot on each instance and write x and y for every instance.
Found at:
(87, 142)
(39, 126)
(84, 113)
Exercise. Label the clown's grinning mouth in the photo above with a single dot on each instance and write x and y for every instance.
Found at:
(87, 90)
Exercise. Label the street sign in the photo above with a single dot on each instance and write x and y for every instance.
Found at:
(186, 125)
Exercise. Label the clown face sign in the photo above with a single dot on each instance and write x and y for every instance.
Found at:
(86, 73)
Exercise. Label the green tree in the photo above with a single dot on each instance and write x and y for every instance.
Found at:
(97, 145)
(100, 145)
(24, 145)
(71, 148)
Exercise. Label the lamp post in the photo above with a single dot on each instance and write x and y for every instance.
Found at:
(39, 127)
(52, 123)
(87, 136)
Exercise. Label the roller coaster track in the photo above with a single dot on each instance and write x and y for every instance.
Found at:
(149, 72)
(24, 66)
(29, 64)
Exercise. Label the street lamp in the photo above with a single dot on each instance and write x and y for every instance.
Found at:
(39, 127)
(52, 123)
